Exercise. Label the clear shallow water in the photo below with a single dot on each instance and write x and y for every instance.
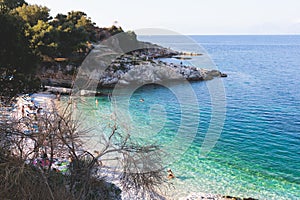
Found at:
(258, 152)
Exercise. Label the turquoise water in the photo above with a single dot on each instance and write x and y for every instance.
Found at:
(258, 152)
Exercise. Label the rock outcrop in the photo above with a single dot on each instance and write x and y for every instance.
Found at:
(152, 72)
(107, 66)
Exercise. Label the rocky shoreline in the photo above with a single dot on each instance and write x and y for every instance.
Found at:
(153, 71)
(140, 67)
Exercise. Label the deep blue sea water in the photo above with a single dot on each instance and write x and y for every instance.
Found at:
(258, 152)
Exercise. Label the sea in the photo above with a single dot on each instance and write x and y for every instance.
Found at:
(237, 136)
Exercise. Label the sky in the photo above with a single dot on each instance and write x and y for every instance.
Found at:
(189, 17)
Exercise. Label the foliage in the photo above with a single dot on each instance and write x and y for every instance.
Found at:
(14, 46)
(13, 83)
(30, 37)
(113, 30)
(74, 31)
(17, 64)
(88, 25)
(31, 14)
(7, 5)
(43, 39)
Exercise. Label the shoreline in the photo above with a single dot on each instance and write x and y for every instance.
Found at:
(45, 99)
(140, 66)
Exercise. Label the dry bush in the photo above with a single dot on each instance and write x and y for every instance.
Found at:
(22, 181)
(57, 133)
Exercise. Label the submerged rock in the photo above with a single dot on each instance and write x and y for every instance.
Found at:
(205, 196)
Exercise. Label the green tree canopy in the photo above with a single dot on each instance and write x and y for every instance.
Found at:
(29, 35)
(78, 19)
(115, 30)
(32, 13)
(73, 31)
(14, 46)
(43, 39)
(7, 5)
(17, 63)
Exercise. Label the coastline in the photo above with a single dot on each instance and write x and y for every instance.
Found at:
(46, 99)
(141, 66)
(84, 108)
(167, 193)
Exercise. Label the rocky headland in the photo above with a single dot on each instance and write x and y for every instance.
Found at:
(126, 71)
(108, 65)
